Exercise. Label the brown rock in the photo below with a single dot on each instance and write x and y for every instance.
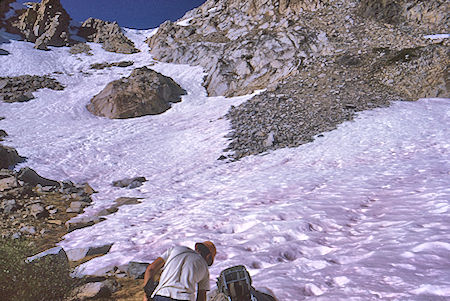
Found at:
(46, 23)
(107, 33)
(144, 92)
(7, 182)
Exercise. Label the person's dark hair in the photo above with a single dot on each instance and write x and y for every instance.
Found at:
(203, 250)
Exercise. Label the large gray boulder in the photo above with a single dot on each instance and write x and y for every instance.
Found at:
(45, 24)
(144, 92)
(107, 33)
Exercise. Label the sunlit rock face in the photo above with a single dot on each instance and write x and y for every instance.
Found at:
(249, 45)
(244, 45)
(48, 24)
(107, 33)
(311, 56)
(144, 92)
(45, 24)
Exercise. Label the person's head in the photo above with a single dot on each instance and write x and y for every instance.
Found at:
(207, 250)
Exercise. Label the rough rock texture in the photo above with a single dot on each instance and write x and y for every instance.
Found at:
(107, 33)
(321, 61)
(243, 45)
(9, 157)
(431, 14)
(95, 290)
(249, 45)
(56, 254)
(81, 48)
(122, 64)
(29, 176)
(129, 183)
(136, 270)
(19, 88)
(45, 24)
(144, 92)
(34, 210)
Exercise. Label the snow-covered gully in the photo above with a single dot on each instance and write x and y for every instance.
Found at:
(362, 213)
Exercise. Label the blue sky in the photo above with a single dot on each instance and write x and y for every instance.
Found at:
(140, 14)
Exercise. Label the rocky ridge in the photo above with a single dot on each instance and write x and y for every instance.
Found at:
(48, 24)
(109, 34)
(45, 24)
(321, 61)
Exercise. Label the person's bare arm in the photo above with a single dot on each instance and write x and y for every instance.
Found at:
(152, 269)
(201, 295)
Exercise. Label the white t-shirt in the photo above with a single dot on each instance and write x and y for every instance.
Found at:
(183, 270)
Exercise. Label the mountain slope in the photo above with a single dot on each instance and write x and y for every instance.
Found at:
(362, 212)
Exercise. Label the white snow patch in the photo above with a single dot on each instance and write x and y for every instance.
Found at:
(437, 36)
(185, 22)
(436, 290)
(354, 203)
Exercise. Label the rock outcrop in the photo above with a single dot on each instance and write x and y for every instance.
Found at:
(9, 157)
(33, 206)
(144, 92)
(107, 33)
(130, 183)
(250, 45)
(45, 24)
(243, 45)
(320, 60)
(48, 24)
(20, 88)
(429, 14)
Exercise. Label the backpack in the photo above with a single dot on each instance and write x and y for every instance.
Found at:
(235, 283)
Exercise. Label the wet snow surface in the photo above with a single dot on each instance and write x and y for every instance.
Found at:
(360, 214)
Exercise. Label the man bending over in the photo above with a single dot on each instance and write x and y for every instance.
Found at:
(184, 272)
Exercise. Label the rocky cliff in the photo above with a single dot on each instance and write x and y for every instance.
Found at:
(45, 24)
(107, 33)
(244, 45)
(320, 60)
(48, 24)
(248, 45)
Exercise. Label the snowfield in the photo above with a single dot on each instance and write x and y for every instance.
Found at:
(362, 213)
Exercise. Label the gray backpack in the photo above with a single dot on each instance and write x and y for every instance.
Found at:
(235, 283)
